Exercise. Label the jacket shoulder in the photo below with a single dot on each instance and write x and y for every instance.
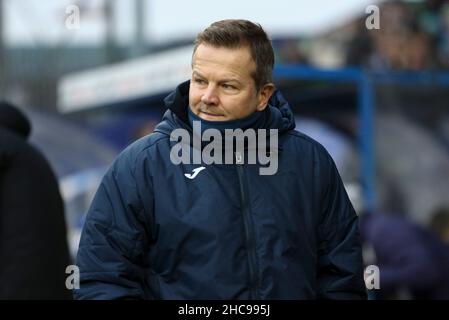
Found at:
(307, 143)
(314, 153)
(141, 148)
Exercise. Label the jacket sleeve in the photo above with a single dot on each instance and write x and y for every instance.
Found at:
(111, 255)
(340, 264)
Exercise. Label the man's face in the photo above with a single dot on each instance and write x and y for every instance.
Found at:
(222, 87)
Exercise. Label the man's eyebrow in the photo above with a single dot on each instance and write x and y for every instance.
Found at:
(230, 79)
(197, 74)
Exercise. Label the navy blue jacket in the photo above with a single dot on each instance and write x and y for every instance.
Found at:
(230, 233)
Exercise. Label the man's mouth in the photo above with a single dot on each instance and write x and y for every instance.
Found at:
(209, 114)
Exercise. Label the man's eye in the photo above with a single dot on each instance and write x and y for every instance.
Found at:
(228, 86)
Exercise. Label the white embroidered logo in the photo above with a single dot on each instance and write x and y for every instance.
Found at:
(194, 172)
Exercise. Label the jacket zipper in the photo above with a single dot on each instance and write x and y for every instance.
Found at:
(249, 229)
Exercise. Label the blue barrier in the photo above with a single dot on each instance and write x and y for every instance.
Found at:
(365, 82)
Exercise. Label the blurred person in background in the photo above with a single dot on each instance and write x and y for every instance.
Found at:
(33, 240)
(156, 231)
(439, 223)
(413, 261)
(411, 37)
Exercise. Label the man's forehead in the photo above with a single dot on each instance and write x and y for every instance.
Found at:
(236, 61)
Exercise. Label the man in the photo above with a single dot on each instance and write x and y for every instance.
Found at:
(33, 240)
(163, 229)
(413, 261)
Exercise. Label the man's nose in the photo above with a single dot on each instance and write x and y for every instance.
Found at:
(210, 95)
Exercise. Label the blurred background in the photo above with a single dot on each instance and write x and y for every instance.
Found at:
(367, 79)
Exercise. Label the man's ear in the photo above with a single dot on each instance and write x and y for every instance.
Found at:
(264, 95)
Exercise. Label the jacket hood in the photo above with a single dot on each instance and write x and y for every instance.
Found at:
(279, 112)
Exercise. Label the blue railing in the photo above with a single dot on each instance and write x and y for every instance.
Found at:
(365, 83)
